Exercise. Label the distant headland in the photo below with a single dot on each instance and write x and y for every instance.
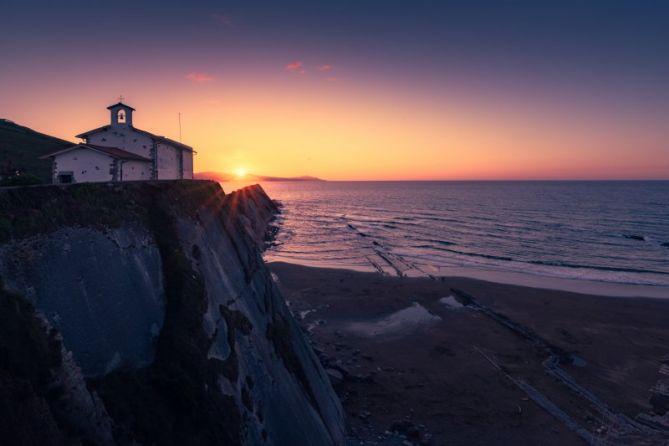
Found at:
(222, 177)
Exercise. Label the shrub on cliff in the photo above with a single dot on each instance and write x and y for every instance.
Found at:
(25, 179)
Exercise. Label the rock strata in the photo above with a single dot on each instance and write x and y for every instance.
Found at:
(155, 319)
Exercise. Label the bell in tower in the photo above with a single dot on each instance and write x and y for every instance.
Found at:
(121, 114)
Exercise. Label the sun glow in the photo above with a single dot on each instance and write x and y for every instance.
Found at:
(240, 172)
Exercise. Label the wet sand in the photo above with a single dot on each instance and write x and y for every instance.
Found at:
(461, 361)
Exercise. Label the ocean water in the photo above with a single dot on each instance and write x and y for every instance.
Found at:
(616, 232)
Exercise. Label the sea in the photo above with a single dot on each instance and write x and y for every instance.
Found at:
(607, 232)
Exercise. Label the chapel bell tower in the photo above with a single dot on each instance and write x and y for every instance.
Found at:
(121, 114)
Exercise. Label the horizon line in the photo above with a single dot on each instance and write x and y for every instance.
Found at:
(316, 180)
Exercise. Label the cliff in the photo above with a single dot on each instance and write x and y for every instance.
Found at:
(142, 313)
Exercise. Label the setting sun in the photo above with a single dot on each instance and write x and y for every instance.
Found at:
(240, 172)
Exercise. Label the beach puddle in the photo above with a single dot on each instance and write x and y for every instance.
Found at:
(451, 302)
(402, 320)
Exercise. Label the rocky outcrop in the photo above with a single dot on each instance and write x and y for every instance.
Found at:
(156, 294)
(102, 290)
(44, 396)
(253, 209)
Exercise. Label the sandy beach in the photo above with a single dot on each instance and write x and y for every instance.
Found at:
(462, 361)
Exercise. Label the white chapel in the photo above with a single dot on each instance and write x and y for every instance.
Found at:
(120, 152)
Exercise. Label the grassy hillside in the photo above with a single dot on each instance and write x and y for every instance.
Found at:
(21, 147)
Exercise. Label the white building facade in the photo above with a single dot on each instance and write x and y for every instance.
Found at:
(121, 152)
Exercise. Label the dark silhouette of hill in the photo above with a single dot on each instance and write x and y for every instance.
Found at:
(21, 148)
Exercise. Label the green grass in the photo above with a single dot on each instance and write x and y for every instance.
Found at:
(21, 147)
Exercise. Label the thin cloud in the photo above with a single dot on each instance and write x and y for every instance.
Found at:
(331, 79)
(199, 77)
(222, 19)
(325, 67)
(295, 66)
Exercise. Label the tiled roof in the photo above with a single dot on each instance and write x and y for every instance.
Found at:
(121, 104)
(158, 138)
(117, 153)
(90, 132)
(114, 152)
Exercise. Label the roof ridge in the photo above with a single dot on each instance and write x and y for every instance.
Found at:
(152, 135)
(120, 103)
(114, 152)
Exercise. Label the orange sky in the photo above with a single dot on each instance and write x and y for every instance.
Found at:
(339, 130)
(381, 89)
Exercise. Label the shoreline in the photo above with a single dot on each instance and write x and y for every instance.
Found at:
(580, 286)
(465, 361)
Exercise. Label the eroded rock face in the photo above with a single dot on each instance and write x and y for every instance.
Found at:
(44, 396)
(166, 305)
(102, 290)
(272, 372)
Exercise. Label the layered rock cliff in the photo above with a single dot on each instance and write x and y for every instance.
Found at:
(143, 314)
